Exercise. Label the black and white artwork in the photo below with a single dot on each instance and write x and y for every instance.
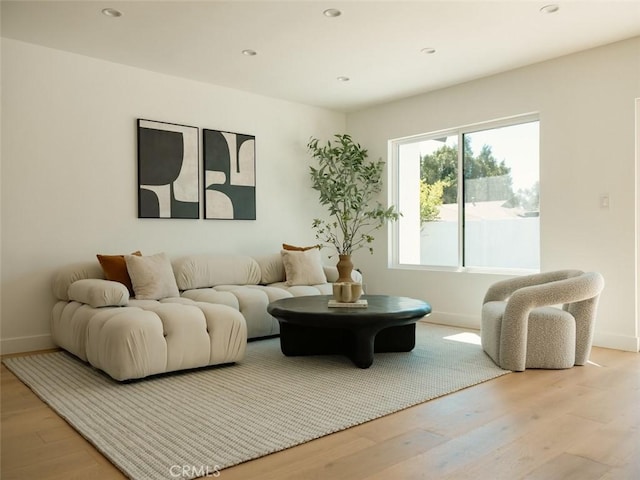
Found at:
(229, 175)
(168, 181)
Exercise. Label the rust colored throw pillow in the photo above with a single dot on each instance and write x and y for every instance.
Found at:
(293, 248)
(115, 269)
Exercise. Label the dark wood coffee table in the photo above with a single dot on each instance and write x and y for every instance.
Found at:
(308, 326)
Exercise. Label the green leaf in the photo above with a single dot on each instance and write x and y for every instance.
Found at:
(348, 185)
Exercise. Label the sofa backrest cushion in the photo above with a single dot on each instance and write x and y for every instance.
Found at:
(68, 274)
(271, 268)
(207, 270)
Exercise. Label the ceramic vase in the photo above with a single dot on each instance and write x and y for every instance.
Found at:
(345, 267)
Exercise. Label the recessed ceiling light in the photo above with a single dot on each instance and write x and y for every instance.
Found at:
(343, 79)
(551, 8)
(249, 53)
(111, 12)
(332, 12)
(428, 50)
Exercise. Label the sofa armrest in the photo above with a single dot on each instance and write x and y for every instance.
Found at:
(99, 293)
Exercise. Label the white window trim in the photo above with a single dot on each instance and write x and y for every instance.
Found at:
(393, 193)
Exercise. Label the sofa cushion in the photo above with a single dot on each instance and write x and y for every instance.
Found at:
(303, 267)
(115, 268)
(302, 290)
(151, 276)
(202, 271)
(99, 293)
(271, 268)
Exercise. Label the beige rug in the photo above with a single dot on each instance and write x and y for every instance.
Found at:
(199, 422)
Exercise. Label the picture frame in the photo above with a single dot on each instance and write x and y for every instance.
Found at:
(229, 166)
(168, 170)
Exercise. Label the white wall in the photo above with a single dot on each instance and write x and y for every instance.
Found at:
(69, 172)
(587, 135)
(68, 186)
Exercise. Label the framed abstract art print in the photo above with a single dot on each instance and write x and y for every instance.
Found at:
(168, 178)
(229, 175)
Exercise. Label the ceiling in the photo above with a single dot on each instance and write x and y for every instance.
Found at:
(301, 52)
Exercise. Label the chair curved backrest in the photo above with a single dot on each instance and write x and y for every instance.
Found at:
(501, 291)
(578, 292)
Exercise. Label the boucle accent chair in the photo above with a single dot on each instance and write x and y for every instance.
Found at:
(522, 326)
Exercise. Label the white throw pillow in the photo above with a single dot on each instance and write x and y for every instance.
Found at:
(152, 277)
(303, 267)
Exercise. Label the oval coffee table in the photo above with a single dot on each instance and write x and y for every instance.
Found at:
(308, 326)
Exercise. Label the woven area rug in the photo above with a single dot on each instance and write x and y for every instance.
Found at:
(213, 418)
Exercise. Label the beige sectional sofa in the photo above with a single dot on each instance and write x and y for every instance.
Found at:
(203, 314)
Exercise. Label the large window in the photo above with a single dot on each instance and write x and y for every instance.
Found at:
(469, 197)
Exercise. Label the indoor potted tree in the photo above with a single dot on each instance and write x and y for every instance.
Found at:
(348, 184)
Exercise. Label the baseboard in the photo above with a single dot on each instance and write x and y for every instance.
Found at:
(616, 342)
(26, 344)
(454, 320)
(605, 340)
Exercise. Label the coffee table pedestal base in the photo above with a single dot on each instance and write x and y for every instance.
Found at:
(359, 346)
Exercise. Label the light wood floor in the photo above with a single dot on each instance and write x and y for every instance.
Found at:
(582, 423)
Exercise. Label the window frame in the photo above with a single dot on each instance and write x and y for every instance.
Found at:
(394, 187)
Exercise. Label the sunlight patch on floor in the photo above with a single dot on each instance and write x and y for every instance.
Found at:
(465, 337)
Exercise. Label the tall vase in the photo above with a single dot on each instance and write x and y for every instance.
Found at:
(345, 267)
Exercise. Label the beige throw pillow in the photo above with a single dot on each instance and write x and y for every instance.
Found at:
(152, 277)
(303, 267)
